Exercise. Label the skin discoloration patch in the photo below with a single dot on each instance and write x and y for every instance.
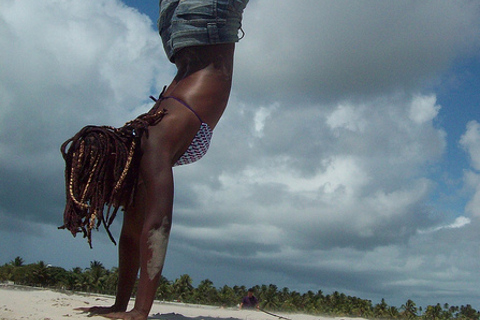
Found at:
(157, 243)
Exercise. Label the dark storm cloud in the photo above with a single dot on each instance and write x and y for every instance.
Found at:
(325, 50)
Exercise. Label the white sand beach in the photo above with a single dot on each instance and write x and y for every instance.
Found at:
(41, 304)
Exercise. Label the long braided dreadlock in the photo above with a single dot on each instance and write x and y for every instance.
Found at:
(102, 166)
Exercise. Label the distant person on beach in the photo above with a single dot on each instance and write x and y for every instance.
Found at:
(131, 167)
(249, 301)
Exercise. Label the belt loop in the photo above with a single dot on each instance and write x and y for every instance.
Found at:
(213, 32)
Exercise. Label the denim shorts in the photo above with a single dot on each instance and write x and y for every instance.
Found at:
(186, 23)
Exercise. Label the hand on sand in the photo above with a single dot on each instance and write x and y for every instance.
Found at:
(131, 315)
(99, 310)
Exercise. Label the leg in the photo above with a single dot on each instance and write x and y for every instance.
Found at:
(129, 250)
(128, 255)
(156, 226)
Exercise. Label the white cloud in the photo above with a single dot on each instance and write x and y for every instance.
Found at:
(459, 222)
(347, 116)
(332, 49)
(262, 115)
(470, 141)
(423, 109)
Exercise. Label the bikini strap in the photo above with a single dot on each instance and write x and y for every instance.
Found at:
(179, 100)
(186, 105)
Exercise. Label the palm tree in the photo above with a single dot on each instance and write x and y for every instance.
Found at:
(95, 272)
(84, 282)
(56, 276)
(380, 310)
(392, 312)
(183, 288)
(453, 310)
(335, 303)
(284, 293)
(10, 270)
(71, 281)
(74, 279)
(364, 308)
(6, 272)
(77, 270)
(269, 297)
(227, 297)
(40, 274)
(111, 281)
(17, 262)
(205, 292)
(409, 309)
(165, 289)
(468, 312)
(433, 312)
(308, 302)
(21, 275)
(292, 301)
(240, 292)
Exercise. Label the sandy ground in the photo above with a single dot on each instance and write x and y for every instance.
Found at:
(37, 304)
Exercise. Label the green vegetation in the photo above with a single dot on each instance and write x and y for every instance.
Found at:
(97, 279)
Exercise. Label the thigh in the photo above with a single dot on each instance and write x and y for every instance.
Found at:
(167, 140)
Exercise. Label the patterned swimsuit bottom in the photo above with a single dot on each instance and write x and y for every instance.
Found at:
(200, 143)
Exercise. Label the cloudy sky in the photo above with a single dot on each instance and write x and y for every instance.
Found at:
(348, 159)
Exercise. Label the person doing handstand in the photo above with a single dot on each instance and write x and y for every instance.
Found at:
(199, 38)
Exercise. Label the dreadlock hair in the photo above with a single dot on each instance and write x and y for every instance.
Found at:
(102, 167)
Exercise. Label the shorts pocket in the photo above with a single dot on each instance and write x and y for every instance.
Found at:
(196, 9)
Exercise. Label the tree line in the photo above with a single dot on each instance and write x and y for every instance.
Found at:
(98, 279)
